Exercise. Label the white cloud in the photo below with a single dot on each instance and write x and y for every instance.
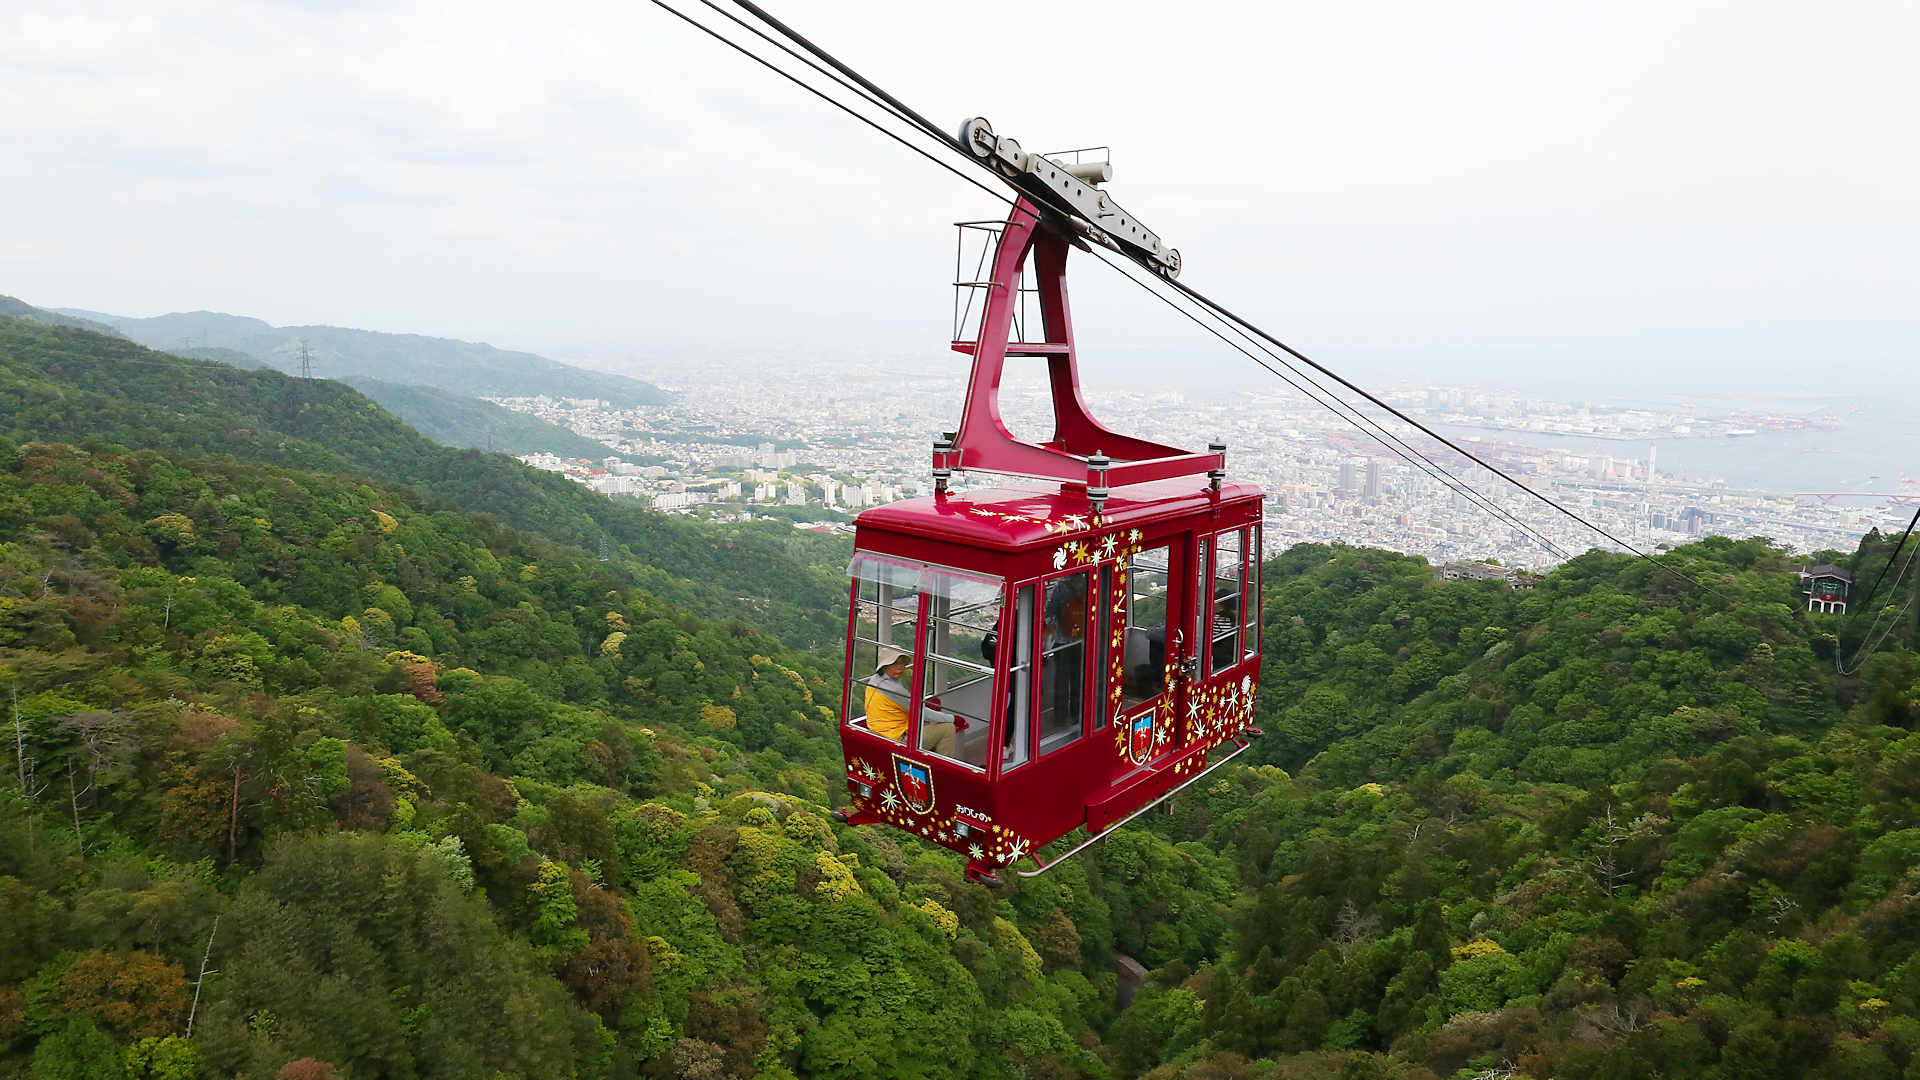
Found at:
(1384, 176)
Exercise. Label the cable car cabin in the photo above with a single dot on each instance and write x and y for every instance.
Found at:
(1019, 665)
(1019, 662)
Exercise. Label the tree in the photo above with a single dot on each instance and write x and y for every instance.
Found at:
(366, 952)
(1609, 870)
(77, 1051)
(135, 994)
(169, 1058)
(100, 740)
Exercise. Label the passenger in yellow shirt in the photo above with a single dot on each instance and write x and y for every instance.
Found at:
(887, 696)
(886, 704)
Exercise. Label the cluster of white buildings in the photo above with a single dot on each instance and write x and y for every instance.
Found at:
(669, 488)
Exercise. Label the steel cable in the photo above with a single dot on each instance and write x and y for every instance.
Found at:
(1386, 438)
(873, 94)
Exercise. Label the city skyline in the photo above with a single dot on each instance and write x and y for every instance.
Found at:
(1325, 481)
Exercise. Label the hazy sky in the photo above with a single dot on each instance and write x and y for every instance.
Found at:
(1624, 191)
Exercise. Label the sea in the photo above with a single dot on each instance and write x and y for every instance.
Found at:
(1875, 450)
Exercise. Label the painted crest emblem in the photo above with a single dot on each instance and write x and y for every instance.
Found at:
(1140, 737)
(916, 784)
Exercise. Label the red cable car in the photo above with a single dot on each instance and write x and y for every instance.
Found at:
(1023, 662)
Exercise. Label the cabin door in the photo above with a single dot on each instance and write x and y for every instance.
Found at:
(1151, 616)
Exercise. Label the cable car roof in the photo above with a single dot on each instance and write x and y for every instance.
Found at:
(1012, 519)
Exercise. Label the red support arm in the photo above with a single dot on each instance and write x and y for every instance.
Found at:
(985, 444)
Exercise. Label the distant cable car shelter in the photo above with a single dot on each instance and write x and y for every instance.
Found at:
(1023, 662)
(1825, 587)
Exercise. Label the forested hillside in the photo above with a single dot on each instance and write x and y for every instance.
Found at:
(437, 798)
(432, 774)
(64, 385)
(429, 792)
(1613, 826)
(468, 423)
(463, 367)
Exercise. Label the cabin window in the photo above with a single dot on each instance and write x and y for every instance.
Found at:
(1202, 617)
(1063, 661)
(1015, 728)
(886, 606)
(956, 686)
(1144, 653)
(1250, 644)
(1229, 566)
(949, 674)
(1102, 631)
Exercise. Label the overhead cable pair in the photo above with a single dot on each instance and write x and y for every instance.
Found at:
(849, 79)
(879, 98)
(1868, 642)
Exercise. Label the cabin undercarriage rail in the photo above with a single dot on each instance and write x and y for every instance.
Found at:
(1240, 743)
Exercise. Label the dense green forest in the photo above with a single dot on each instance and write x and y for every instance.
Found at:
(322, 770)
(463, 367)
(1605, 827)
(464, 422)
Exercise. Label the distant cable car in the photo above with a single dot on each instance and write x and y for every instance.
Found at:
(1021, 662)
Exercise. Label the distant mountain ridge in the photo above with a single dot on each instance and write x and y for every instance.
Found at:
(20, 309)
(471, 368)
(450, 418)
(471, 424)
(230, 357)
